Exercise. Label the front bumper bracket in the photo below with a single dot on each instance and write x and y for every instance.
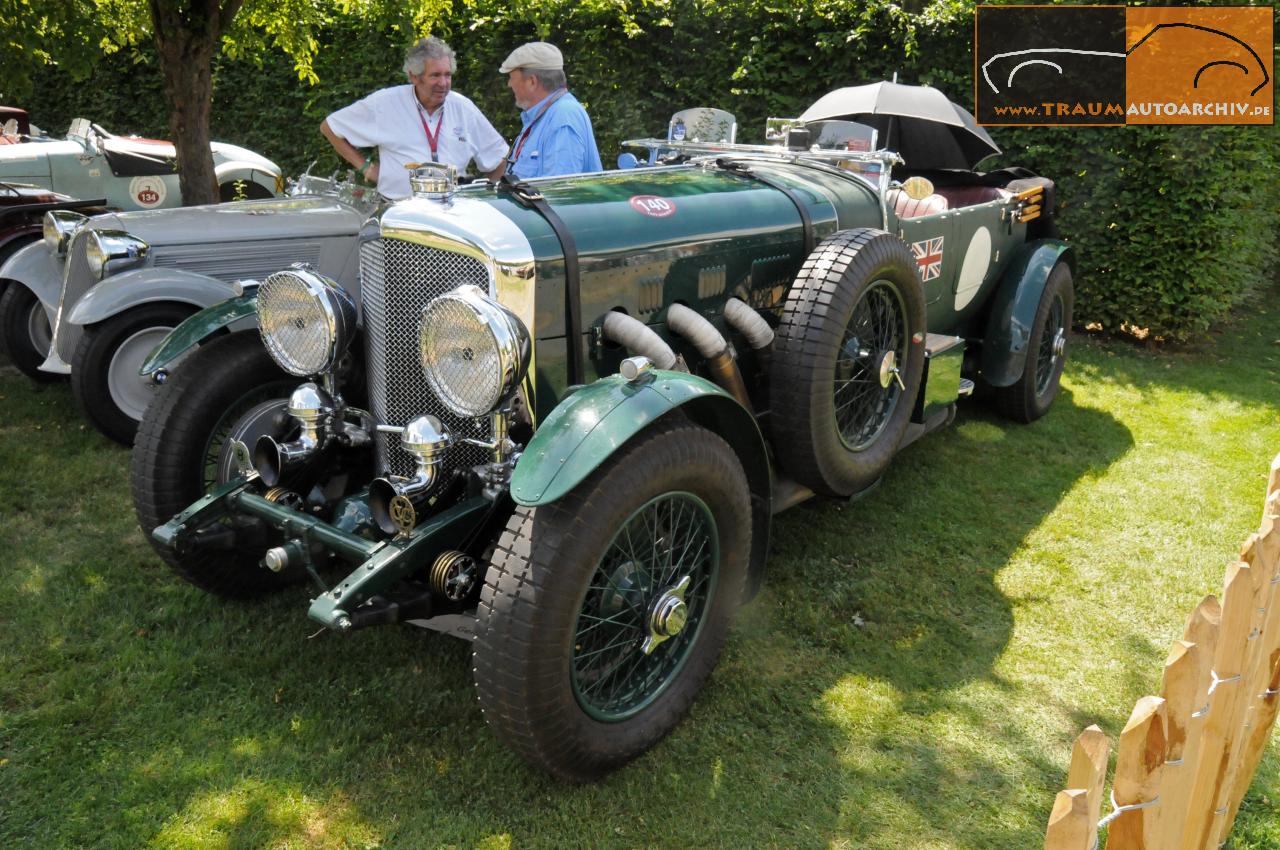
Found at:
(380, 565)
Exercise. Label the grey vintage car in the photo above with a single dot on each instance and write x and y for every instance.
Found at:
(98, 294)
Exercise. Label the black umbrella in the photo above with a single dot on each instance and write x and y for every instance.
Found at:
(919, 122)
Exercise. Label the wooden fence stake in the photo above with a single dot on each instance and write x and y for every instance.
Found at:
(1203, 624)
(1088, 771)
(1238, 607)
(1260, 679)
(1069, 822)
(1253, 671)
(1186, 684)
(1140, 759)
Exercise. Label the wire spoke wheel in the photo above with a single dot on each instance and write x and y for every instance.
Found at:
(644, 606)
(848, 361)
(875, 342)
(604, 611)
(246, 420)
(1052, 342)
(1032, 392)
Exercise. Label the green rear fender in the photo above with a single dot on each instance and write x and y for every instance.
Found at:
(198, 328)
(591, 424)
(1013, 310)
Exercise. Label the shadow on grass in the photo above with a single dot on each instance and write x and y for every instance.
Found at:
(897, 593)
(916, 560)
(139, 712)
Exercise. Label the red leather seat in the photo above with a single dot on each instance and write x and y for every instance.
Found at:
(967, 196)
(907, 207)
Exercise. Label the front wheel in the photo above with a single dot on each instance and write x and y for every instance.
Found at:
(1031, 396)
(228, 388)
(603, 614)
(104, 369)
(25, 332)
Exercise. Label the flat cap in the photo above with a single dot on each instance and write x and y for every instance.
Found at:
(534, 56)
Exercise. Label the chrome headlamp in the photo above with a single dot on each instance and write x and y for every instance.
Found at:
(58, 227)
(474, 351)
(306, 320)
(112, 250)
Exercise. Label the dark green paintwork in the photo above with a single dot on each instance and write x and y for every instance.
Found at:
(379, 564)
(587, 427)
(730, 235)
(398, 559)
(948, 312)
(1013, 309)
(196, 329)
(593, 423)
(209, 507)
(310, 529)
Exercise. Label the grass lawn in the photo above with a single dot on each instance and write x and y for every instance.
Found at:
(911, 676)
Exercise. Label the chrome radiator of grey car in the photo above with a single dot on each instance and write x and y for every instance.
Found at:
(397, 279)
(76, 281)
(252, 259)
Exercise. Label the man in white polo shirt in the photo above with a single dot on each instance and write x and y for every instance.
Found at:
(425, 121)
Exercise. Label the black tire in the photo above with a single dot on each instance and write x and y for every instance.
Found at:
(104, 367)
(180, 453)
(1031, 396)
(11, 247)
(243, 190)
(835, 426)
(527, 670)
(24, 332)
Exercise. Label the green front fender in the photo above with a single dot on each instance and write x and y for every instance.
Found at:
(1013, 310)
(196, 329)
(587, 427)
(591, 424)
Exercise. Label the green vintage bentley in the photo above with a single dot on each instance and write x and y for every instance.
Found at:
(559, 415)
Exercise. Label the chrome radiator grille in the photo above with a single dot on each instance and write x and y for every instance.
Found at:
(76, 281)
(397, 279)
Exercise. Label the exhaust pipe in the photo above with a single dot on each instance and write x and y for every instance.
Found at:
(712, 346)
(744, 319)
(637, 337)
(427, 439)
(312, 407)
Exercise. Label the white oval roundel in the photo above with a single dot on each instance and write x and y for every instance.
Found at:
(653, 206)
(147, 192)
(973, 271)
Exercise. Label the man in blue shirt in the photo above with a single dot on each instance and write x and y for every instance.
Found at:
(557, 136)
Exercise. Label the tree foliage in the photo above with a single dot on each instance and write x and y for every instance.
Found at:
(184, 36)
(1174, 226)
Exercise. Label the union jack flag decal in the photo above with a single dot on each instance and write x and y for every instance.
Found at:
(928, 256)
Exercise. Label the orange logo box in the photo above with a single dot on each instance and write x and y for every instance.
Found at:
(1199, 65)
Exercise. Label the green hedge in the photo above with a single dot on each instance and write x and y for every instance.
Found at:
(1173, 226)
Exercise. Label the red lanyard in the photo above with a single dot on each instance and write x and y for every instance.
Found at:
(541, 112)
(433, 139)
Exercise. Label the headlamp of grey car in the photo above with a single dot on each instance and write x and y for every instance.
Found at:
(111, 251)
(58, 227)
(475, 352)
(306, 320)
